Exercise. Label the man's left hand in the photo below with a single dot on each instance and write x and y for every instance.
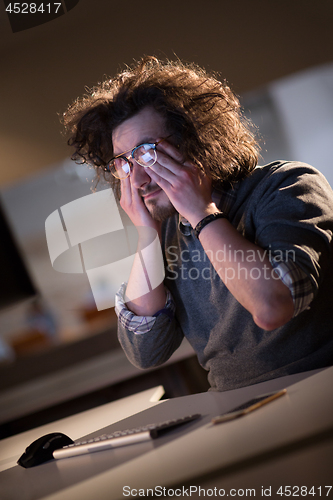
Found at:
(187, 187)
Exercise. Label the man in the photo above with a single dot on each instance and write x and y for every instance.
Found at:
(247, 249)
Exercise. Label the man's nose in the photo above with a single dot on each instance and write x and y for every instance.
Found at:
(139, 176)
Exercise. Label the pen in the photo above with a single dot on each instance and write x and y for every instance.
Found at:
(248, 406)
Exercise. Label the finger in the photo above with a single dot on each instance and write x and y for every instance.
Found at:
(165, 170)
(136, 197)
(172, 172)
(170, 150)
(129, 194)
(162, 182)
(125, 188)
(174, 153)
(164, 161)
(156, 177)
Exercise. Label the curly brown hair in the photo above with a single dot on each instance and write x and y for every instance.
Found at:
(202, 113)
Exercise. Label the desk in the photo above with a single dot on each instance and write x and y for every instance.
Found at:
(98, 372)
(298, 426)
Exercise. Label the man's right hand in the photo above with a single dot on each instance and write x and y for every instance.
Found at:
(134, 206)
(144, 304)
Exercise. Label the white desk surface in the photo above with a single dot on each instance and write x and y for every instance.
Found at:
(80, 424)
(197, 450)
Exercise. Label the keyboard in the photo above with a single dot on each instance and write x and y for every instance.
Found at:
(122, 438)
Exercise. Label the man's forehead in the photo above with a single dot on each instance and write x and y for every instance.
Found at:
(145, 126)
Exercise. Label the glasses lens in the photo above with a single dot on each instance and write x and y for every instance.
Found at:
(119, 168)
(145, 155)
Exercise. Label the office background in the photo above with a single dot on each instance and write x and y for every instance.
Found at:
(277, 56)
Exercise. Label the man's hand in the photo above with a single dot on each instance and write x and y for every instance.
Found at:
(134, 206)
(142, 302)
(268, 300)
(188, 189)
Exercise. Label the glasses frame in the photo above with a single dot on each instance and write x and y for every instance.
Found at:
(131, 156)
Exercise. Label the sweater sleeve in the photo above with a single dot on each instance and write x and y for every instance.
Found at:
(148, 341)
(294, 220)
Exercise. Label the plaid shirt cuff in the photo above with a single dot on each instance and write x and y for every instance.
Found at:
(140, 324)
(297, 281)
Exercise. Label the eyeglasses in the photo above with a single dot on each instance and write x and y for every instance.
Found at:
(145, 155)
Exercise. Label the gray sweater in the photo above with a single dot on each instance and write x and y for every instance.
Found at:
(285, 208)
